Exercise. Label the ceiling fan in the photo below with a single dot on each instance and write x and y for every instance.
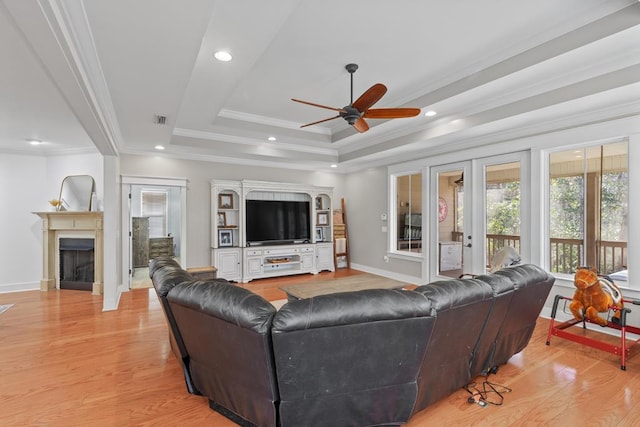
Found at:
(356, 112)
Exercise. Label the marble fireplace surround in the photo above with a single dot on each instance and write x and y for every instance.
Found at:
(56, 225)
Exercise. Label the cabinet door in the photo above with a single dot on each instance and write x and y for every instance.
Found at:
(254, 266)
(228, 264)
(324, 254)
(307, 262)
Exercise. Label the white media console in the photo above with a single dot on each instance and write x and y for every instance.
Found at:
(236, 260)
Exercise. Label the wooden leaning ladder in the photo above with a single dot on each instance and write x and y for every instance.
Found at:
(340, 232)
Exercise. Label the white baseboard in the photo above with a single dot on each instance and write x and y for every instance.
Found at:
(19, 287)
(388, 274)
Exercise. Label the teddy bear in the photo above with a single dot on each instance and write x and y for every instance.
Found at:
(595, 295)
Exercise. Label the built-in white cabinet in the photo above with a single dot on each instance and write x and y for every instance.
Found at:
(237, 254)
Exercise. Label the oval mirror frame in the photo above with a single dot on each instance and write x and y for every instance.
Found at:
(75, 193)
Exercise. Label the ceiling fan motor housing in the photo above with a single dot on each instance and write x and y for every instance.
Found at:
(350, 114)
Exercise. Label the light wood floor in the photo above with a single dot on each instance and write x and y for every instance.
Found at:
(64, 362)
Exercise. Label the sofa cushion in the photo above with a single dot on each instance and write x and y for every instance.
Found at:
(226, 332)
(167, 277)
(228, 302)
(162, 261)
(503, 290)
(460, 307)
(531, 285)
(348, 308)
(350, 358)
(449, 294)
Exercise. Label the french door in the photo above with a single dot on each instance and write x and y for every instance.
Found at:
(480, 206)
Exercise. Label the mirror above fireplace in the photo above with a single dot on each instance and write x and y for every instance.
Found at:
(75, 193)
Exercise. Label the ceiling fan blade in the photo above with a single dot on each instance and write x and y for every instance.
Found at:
(320, 121)
(391, 113)
(317, 105)
(370, 97)
(361, 125)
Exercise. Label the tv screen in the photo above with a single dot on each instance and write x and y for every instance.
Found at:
(277, 221)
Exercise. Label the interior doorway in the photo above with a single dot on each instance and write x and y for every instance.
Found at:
(155, 222)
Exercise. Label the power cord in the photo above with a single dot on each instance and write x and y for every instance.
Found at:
(490, 394)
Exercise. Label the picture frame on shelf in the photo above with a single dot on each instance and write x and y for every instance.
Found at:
(225, 238)
(323, 218)
(318, 203)
(225, 201)
(222, 219)
(319, 234)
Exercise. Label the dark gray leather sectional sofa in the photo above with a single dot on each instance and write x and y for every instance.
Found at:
(372, 357)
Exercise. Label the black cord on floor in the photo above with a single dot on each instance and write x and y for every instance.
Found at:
(488, 394)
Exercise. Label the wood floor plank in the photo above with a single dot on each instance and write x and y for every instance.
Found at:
(64, 362)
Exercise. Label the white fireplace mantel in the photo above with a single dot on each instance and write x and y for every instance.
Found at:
(57, 224)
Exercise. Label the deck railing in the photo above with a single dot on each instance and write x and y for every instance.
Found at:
(566, 255)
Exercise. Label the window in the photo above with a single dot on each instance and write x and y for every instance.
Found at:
(408, 208)
(588, 218)
(154, 206)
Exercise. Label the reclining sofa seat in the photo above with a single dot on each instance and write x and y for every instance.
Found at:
(352, 358)
(165, 274)
(503, 290)
(480, 344)
(226, 331)
(460, 308)
(532, 286)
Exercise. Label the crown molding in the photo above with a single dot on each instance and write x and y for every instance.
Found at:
(237, 115)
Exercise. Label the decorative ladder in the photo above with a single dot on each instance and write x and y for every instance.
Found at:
(340, 249)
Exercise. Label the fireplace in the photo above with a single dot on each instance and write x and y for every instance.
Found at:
(66, 241)
(76, 263)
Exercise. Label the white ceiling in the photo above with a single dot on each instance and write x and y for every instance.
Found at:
(87, 75)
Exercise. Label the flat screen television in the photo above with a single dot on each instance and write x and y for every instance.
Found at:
(277, 222)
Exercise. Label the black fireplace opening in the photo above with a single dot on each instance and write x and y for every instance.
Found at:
(76, 264)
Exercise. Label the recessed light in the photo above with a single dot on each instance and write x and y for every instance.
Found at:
(272, 138)
(159, 147)
(34, 141)
(334, 165)
(430, 113)
(223, 55)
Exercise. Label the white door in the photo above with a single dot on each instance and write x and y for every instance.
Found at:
(450, 248)
(479, 206)
(505, 198)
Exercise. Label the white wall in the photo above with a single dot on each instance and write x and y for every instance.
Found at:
(22, 191)
(27, 183)
(366, 200)
(58, 167)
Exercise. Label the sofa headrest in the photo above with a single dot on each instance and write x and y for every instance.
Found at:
(162, 261)
(525, 275)
(225, 301)
(166, 277)
(448, 294)
(346, 308)
(499, 283)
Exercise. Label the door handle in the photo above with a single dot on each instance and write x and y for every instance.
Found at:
(468, 245)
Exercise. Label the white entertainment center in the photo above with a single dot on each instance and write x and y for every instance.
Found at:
(239, 259)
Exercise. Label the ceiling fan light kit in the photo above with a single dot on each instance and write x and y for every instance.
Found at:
(356, 112)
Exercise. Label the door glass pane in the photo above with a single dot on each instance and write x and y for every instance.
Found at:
(409, 209)
(450, 230)
(502, 201)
